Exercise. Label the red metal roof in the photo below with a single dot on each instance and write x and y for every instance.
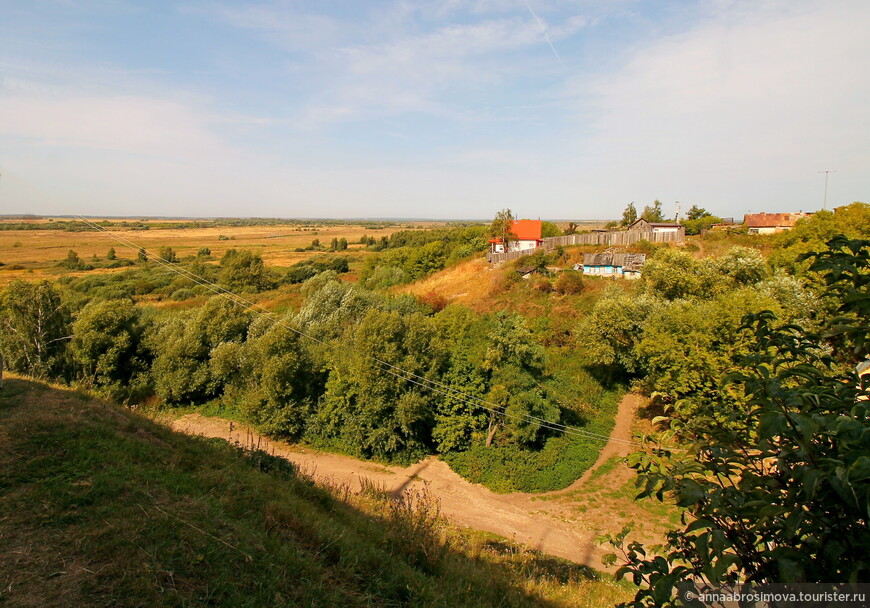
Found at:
(527, 230)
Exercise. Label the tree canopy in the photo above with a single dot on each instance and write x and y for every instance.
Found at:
(629, 215)
(502, 228)
(653, 213)
(775, 477)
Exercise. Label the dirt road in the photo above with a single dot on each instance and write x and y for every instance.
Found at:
(562, 523)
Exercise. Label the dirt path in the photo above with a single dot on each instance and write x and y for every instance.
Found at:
(551, 522)
(617, 445)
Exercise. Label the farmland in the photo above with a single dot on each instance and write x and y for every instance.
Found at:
(34, 254)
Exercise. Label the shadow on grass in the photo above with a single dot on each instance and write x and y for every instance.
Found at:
(106, 506)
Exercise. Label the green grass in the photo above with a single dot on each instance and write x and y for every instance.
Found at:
(104, 507)
(557, 464)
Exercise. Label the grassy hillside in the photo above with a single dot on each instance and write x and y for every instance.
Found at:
(104, 507)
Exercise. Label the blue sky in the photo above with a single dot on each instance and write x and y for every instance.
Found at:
(561, 109)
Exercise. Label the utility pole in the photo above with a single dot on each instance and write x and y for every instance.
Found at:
(825, 206)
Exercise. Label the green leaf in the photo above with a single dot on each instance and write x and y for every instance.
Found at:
(860, 469)
(663, 588)
(699, 524)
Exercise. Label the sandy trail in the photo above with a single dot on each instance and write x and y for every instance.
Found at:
(552, 526)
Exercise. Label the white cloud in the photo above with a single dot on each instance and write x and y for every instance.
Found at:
(418, 73)
(749, 97)
(123, 124)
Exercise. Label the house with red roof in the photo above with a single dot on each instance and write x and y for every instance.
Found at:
(528, 237)
(771, 223)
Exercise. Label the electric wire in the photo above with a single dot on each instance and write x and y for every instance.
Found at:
(390, 368)
(403, 374)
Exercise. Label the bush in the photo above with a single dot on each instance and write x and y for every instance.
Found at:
(570, 282)
(243, 270)
(180, 295)
(543, 285)
(73, 262)
(510, 468)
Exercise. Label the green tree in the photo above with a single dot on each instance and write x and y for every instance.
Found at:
(610, 333)
(167, 254)
(549, 229)
(743, 265)
(516, 364)
(629, 216)
(780, 492)
(502, 228)
(204, 252)
(183, 344)
(245, 271)
(696, 226)
(272, 377)
(673, 274)
(368, 408)
(111, 254)
(142, 256)
(35, 326)
(653, 213)
(811, 234)
(74, 262)
(696, 213)
(460, 342)
(105, 346)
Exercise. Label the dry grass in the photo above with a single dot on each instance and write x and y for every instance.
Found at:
(37, 251)
(466, 283)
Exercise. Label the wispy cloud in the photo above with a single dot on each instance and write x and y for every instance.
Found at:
(546, 35)
(401, 57)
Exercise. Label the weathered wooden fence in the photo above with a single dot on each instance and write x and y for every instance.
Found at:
(623, 237)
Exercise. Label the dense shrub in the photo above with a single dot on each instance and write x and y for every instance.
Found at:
(107, 349)
(243, 270)
(179, 295)
(569, 282)
(73, 262)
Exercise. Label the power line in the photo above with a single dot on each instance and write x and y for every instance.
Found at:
(394, 370)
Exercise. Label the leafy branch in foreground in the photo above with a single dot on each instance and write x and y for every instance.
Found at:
(776, 479)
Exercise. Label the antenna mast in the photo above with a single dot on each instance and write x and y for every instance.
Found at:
(825, 205)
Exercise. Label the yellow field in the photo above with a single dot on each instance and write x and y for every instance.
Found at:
(37, 252)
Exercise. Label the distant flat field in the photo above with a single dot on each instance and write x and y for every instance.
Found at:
(38, 251)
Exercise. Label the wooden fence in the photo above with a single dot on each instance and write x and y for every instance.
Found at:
(623, 237)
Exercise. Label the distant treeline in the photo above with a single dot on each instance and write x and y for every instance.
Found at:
(145, 224)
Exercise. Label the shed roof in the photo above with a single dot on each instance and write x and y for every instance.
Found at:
(639, 222)
(628, 261)
(772, 220)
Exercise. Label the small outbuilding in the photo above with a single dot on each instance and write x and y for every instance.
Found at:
(610, 264)
(644, 226)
